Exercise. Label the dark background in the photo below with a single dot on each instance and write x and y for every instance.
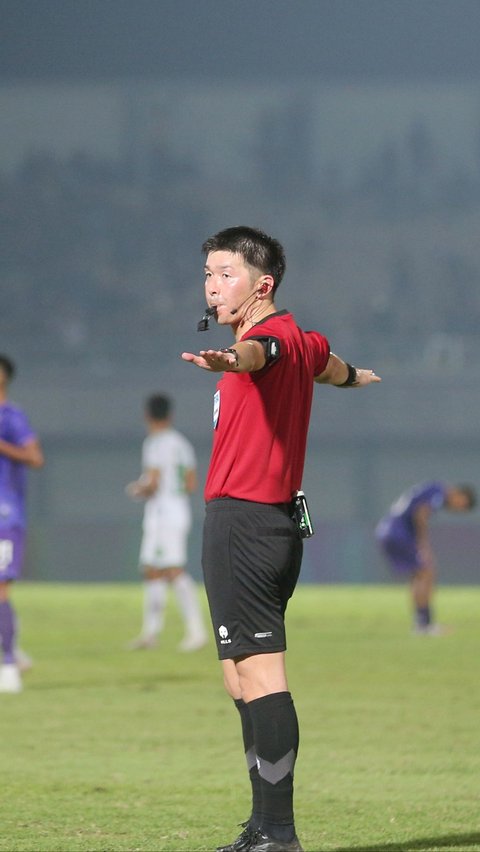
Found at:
(383, 40)
(349, 129)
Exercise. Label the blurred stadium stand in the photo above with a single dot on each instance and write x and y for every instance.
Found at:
(102, 288)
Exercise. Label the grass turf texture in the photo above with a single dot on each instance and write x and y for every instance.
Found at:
(110, 750)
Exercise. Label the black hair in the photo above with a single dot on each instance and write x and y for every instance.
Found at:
(257, 249)
(8, 367)
(158, 407)
(469, 492)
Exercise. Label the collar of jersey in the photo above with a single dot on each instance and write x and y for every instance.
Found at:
(270, 316)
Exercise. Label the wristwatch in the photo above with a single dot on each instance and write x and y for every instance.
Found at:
(231, 351)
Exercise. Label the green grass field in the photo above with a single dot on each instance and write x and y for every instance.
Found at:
(110, 750)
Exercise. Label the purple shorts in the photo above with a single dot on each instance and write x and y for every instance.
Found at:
(400, 549)
(12, 549)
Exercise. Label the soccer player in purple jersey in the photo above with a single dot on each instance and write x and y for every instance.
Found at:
(403, 534)
(19, 449)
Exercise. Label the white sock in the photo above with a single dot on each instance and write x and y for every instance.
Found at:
(186, 592)
(154, 600)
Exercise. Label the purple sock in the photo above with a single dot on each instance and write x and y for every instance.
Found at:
(423, 616)
(7, 631)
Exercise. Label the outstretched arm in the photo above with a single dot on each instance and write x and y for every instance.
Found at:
(340, 374)
(247, 356)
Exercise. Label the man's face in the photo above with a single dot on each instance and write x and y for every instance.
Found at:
(229, 284)
(152, 425)
(458, 501)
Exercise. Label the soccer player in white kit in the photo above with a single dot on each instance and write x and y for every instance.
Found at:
(168, 479)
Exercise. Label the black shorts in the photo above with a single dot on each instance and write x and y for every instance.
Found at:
(251, 560)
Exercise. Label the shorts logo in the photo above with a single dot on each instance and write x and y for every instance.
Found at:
(265, 635)
(6, 554)
(223, 633)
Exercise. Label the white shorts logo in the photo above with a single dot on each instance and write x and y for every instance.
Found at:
(223, 633)
(264, 635)
(6, 554)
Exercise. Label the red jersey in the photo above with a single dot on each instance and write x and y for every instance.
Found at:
(261, 419)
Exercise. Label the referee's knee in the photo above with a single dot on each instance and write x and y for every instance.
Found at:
(231, 680)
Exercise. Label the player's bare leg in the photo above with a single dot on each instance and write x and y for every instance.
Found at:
(155, 591)
(10, 680)
(186, 592)
(157, 581)
(422, 589)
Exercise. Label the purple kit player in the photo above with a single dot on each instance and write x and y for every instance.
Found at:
(19, 449)
(403, 535)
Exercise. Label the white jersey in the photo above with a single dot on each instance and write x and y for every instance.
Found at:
(169, 452)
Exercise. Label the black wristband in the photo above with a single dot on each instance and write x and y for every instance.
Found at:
(351, 378)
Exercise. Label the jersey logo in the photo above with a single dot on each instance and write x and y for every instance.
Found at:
(216, 408)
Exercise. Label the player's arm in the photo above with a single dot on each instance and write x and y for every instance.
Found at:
(29, 453)
(246, 356)
(421, 518)
(191, 480)
(343, 375)
(145, 486)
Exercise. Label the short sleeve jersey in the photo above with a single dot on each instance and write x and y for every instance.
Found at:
(401, 514)
(261, 419)
(16, 429)
(169, 452)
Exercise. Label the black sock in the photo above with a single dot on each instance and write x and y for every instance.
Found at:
(423, 616)
(275, 731)
(251, 758)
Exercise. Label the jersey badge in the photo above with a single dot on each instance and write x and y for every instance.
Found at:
(216, 408)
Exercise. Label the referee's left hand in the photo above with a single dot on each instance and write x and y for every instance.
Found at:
(211, 359)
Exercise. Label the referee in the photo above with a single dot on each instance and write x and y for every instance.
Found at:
(252, 548)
